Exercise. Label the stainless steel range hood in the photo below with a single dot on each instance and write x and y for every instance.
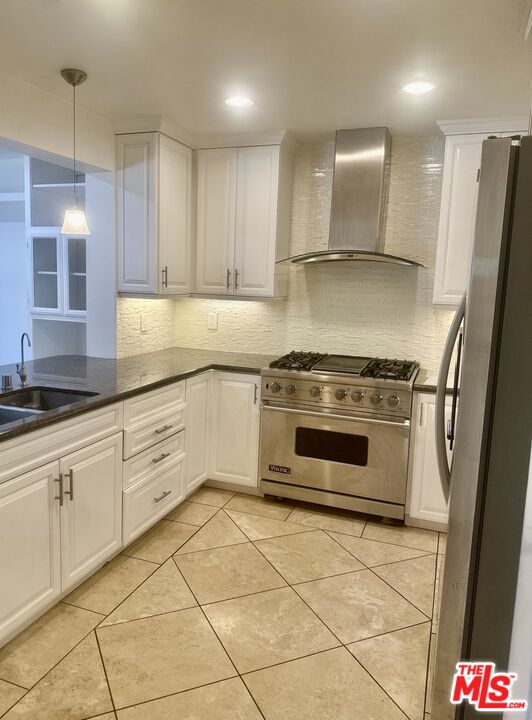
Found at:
(359, 195)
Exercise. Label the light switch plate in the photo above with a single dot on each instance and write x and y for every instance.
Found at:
(212, 321)
(143, 323)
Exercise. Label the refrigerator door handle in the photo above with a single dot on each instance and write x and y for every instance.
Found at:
(441, 387)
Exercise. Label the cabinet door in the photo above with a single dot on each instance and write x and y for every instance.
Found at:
(234, 428)
(46, 262)
(457, 216)
(256, 220)
(91, 516)
(196, 430)
(175, 203)
(426, 497)
(136, 207)
(215, 231)
(29, 546)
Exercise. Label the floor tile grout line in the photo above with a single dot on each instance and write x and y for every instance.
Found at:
(302, 599)
(209, 622)
(158, 567)
(55, 664)
(380, 686)
(388, 632)
(10, 682)
(400, 593)
(4, 713)
(105, 672)
(393, 562)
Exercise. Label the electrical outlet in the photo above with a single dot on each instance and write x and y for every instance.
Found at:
(212, 321)
(143, 323)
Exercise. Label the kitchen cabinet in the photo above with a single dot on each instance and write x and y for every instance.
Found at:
(153, 214)
(29, 546)
(196, 418)
(426, 506)
(91, 514)
(461, 166)
(58, 523)
(243, 218)
(234, 428)
(59, 274)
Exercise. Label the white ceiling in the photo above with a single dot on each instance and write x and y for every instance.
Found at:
(310, 65)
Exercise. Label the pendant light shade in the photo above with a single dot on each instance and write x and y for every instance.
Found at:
(75, 222)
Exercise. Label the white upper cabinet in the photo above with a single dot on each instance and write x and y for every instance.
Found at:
(153, 214)
(215, 231)
(461, 165)
(243, 219)
(256, 217)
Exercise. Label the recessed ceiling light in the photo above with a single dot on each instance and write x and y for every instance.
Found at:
(239, 101)
(418, 88)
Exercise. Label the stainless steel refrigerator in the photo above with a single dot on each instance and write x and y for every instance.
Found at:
(491, 428)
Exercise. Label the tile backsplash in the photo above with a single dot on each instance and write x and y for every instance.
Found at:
(357, 308)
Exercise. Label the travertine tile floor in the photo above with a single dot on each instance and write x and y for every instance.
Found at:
(239, 608)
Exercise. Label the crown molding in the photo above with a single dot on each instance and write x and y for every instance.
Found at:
(162, 125)
(483, 125)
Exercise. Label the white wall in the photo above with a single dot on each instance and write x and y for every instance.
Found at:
(359, 308)
(33, 118)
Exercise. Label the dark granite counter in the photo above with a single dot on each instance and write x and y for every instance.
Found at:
(116, 380)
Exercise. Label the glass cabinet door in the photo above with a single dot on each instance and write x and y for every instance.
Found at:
(76, 285)
(45, 265)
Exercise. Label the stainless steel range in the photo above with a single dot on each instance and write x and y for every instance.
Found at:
(335, 430)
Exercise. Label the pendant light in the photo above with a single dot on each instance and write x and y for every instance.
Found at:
(75, 222)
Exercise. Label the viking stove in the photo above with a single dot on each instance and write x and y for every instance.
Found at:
(335, 430)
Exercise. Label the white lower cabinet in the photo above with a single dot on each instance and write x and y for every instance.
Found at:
(91, 515)
(58, 523)
(234, 428)
(426, 505)
(198, 389)
(29, 546)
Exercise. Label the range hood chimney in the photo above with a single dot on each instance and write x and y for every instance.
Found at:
(359, 195)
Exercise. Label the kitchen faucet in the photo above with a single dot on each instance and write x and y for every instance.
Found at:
(21, 368)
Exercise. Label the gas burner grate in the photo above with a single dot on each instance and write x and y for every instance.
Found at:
(298, 360)
(391, 369)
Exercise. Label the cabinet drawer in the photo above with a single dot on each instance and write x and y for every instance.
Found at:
(151, 406)
(148, 501)
(154, 459)
(27, 452)
(141, 437)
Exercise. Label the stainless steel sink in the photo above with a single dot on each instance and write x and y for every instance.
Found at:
(41, 399)
(9, 415)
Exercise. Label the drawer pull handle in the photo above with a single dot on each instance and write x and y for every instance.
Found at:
(162, 456)
(162, 429)
(161, 497)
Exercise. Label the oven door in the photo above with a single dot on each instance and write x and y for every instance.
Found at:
(353, 455)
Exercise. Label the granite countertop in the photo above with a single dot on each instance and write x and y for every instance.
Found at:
(426, 382)
(116, 380)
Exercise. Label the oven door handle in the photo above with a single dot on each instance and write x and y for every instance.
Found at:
(372, 421)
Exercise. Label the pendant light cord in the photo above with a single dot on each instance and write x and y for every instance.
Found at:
(74, 126)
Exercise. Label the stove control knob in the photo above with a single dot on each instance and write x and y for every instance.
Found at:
(376, 398)
(290, 389)
(340, 394)
(315, 391)
(393, 401)
(357, 396)
(275, 387)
